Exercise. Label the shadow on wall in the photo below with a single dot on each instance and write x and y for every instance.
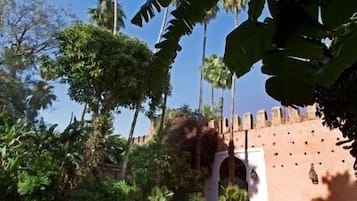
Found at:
(253, 189)
(341, 188)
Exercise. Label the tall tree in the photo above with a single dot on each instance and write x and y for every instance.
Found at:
(28, 31)
(233, 6)
(106, 16)
(103, 81)
(218, 74)
(210, 14)
(115, 18)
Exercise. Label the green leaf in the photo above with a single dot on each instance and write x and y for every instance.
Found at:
(273, 7)
(255, 9)
(247, 44)
(3, 152)
(298, 46)
(313, 10)
(344, 58)
(147, 11)
(293, 80)
(336, 12)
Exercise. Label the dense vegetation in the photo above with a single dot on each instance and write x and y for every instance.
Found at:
(106, 71)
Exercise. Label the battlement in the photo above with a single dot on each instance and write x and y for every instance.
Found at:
(247, 122)
(141, 139)
(278, 117)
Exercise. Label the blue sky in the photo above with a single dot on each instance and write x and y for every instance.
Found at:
(250, 90)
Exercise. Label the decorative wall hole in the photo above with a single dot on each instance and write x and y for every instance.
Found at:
(296, 164)
(322, 140)
(259, 136)
(343, 161)
(306, 142)
(318, 152)
(273, 166)
(276, 153)
(292, 142)
(236, 139)
(282, 166)
(274, 143)
(305, 153)
(290, 154)
(263, 145)
(241, 146)
(252, 146)
(274, 134)
(312, 131)
(320, 163)
(338, 138)
(288, 133)
(332, 150)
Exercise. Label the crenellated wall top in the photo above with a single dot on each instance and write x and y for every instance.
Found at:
(279, 116)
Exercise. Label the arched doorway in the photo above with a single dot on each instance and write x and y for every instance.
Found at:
(240, 174)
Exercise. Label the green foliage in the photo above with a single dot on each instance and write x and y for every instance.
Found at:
(186, 15)
(39, 163)
(114, 149)
(157, 164)
(104, 190)
(216, 72)
(102, 70)
(249, 41)
(160, 194)
(196, 197)
(28, 29)
(233, 193)
(103, 15)
(210, 113)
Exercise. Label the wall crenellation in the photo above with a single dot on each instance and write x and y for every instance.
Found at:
(247, 122)
(278, 117)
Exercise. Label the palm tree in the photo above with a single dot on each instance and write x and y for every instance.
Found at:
(218, 75)
(109, 16)
(233, 6)
(42, 96)
(115, 18)
(210, 14)
(106, 16)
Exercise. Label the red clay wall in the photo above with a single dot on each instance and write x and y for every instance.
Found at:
(291, 144)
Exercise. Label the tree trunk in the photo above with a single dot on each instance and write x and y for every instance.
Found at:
(198, 135)
(198, 149)
(163, 112)
(212, 98)
(84, 112)
(235, 18)
(221, 110)
(201, 69)
(231, 140)
(130, 140)
(115, 18)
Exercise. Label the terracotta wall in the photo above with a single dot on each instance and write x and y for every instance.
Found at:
(291, 143)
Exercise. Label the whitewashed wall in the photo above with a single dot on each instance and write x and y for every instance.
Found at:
(257, 188)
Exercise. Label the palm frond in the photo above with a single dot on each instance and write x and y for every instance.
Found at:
(147, 11)
(185, 17)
